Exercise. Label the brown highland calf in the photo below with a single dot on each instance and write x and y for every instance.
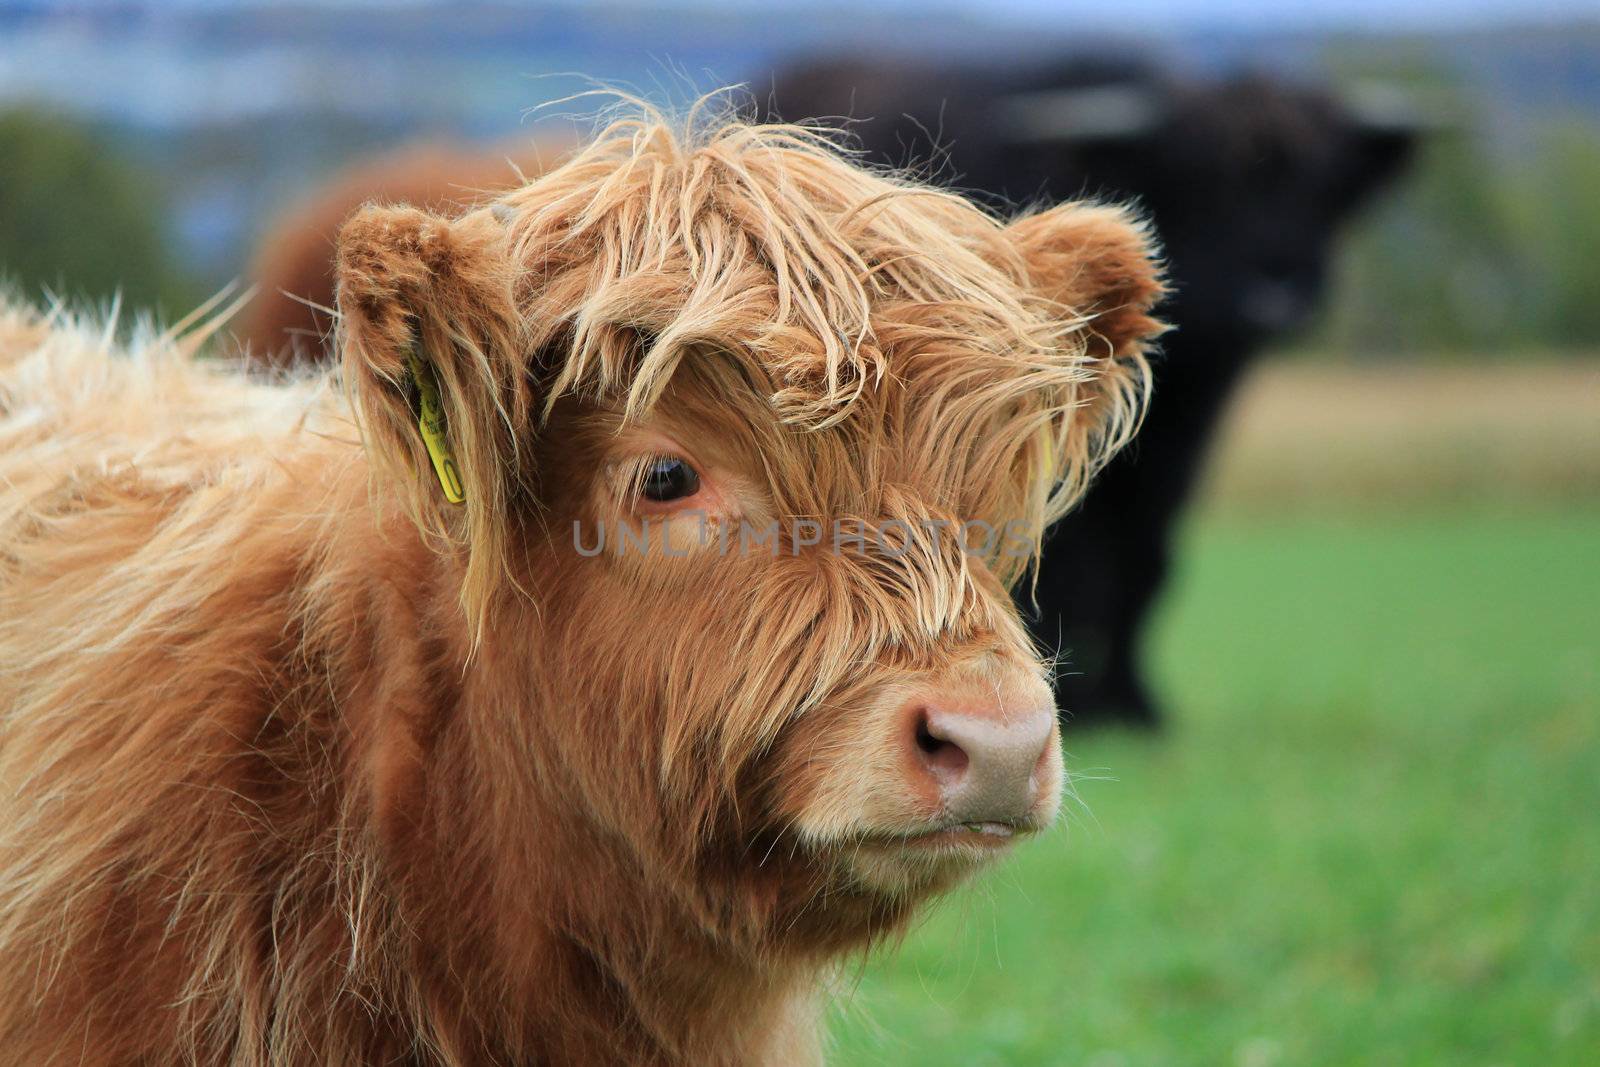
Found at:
(302, 763)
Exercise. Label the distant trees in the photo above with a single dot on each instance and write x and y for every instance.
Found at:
(1481, 253)
(1556, 215)
(79, 220)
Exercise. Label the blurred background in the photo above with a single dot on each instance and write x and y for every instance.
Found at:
(1370, 831)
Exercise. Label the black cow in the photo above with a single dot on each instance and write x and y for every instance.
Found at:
(1248, 182)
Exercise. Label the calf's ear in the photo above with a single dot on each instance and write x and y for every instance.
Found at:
(429, 332)
(1098, 263)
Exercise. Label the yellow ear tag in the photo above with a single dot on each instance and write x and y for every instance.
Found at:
(430, 420)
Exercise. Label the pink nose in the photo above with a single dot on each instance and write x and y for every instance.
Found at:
(985, 762)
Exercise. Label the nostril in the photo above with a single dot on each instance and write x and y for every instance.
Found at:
(987, 761)
(943, 755)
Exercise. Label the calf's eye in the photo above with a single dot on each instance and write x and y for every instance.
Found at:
(668, 478)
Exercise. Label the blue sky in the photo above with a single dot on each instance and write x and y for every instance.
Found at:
(1394, 14)
(1437, 14)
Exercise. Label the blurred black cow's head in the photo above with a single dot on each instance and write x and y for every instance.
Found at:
(1248, 181)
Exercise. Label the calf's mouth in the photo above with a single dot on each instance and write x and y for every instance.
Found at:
(939, 777)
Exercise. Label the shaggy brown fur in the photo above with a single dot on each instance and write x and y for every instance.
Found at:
(300, 763)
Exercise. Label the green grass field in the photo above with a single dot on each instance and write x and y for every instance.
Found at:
(1371, 837)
